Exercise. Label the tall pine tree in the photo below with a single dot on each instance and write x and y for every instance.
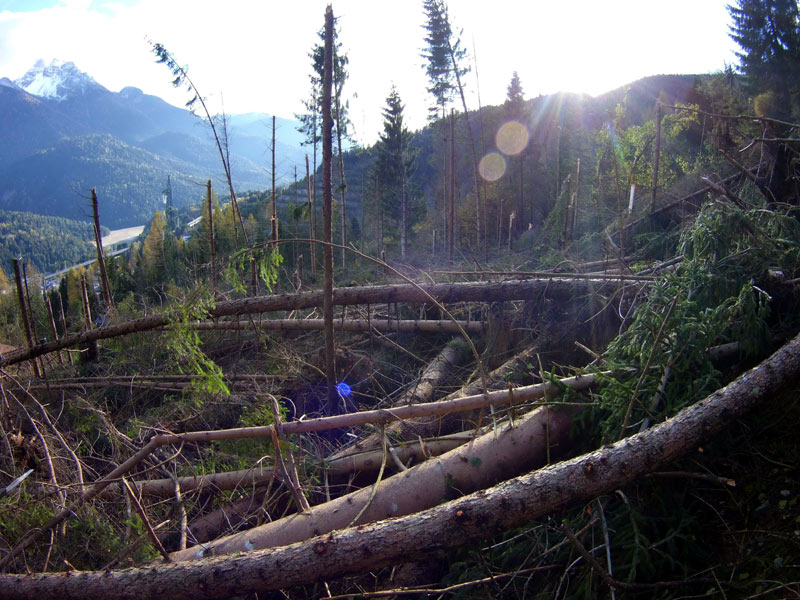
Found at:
(392, 168)
(768, 32)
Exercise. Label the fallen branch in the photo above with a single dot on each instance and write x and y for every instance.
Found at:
(382, 416)
(367, 547)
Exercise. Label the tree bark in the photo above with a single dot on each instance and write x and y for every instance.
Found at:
(419, 392)
(327, 211)
(108, 299)
(355, 325)
(442, 292)
(367, 547)
(493, 457)
(436, 425)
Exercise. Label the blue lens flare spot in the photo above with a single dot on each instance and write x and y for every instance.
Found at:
(343, 389)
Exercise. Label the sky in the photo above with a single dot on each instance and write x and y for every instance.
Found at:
(252, 55)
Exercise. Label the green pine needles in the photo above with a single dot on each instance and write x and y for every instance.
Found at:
(184, 345)
(715, 296)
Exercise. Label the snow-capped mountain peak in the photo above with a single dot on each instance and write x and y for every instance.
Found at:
(57, 80)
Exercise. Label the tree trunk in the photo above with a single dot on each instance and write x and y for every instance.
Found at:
(327, 204)
(553, 286)
(98, 240)
(465, 520)
(355, 325)
(451, 212)
(311, 244)
(493, 457)
(23, 309)
(435, 374)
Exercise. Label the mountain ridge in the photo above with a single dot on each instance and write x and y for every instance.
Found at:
(56, 102)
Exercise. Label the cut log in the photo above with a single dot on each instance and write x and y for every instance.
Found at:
(455, 523)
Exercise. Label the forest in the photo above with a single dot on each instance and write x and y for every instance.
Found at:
(547, 349)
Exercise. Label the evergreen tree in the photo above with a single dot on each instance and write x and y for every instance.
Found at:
(768, 31)
(515, 95)
(391, 168)
(443, 55)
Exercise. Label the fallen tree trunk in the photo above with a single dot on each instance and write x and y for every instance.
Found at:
(490, 458)
(435, 425)
(435, 374)
(260, 475)
(382, 416)
(368, 547)
(354, 325)
(442, 292)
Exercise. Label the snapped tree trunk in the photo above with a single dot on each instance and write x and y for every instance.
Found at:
(455, 523)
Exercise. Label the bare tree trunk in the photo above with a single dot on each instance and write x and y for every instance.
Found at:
(274, 219)
(311, 244)
(451, 213)
(327, 202)
(493, 457)
(23, 309)
(87, 315)
(355, 325)
(403, 216)
(368, 547)
(108, 299)
(211, 239)
(53, 329)
(342, 182)
(556, 286)
(656, 157)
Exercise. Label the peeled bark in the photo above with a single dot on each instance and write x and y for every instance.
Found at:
(505, 506)
(436, 425)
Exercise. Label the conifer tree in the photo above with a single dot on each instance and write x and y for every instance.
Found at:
(392, 166)
(768, 32)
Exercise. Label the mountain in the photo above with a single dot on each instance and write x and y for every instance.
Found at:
(64, 133)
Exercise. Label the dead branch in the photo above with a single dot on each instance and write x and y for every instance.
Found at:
(455, 523)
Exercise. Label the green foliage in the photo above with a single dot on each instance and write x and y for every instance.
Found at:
(268, 260)
(184, 346)
(768, 32)
(50, 243)
(443, 54)
(717, 299)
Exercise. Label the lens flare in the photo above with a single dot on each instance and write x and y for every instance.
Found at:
(492, 166)
(343, 389)
(511, 138)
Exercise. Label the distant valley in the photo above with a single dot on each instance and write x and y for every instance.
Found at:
(64, 133)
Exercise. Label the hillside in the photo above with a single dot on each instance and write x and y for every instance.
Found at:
(47, 243)
(53, 118)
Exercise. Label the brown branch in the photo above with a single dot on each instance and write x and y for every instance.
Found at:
(141, 512)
